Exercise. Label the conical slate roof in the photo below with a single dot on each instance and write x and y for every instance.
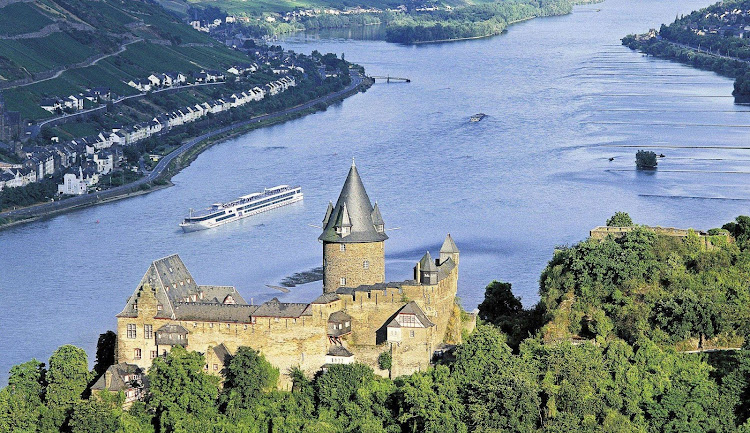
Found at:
(426, 264)
(353, 209)
(449, 247)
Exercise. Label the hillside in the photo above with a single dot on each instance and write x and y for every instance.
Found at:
(54, 48)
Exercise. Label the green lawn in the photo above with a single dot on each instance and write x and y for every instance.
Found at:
(20, 18)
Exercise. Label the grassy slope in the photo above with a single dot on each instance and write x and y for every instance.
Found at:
(114, 22)
(257, 7)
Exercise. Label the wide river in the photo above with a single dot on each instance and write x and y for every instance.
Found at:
(562, 97)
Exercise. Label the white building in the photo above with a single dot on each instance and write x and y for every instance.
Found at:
(72, 184)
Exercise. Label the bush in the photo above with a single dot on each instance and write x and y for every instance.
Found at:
(385, 360)
(645, 159)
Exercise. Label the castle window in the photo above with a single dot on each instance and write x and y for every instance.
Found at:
(135, 306)
(245, 327)
(216, 367)
(131, 331)
(411, 334)
(366, 264)
(343, 281)
(342, 247)
(170, 270)
(159, 307)
(153, 354)
(195, 324)
(137, 354)
(228, 325)
(148, 331)
(210, 325)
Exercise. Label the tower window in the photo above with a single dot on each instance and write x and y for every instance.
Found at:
(343, 281)
(366, 264)
(342, 247)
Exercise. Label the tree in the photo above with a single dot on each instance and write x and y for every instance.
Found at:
(429, 402)
(645, 159)
(385, 360)
(67, 379)
(620, 219)
(180, 388)
(23, 397)
(93, 416)
(499, 303)
(247, 376)
(105, 352)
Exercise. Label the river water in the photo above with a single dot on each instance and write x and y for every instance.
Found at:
(562, 97)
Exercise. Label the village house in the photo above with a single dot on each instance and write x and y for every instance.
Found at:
(129, 379)
(73, 183)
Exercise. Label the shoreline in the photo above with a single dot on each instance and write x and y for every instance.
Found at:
(174, 162)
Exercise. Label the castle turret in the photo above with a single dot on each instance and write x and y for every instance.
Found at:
(449, 250)
(426, 272)
(353, 238)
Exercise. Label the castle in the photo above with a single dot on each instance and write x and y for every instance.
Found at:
(358, 316)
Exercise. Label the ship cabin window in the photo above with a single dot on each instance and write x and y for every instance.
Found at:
(342, 247)
(366, 264)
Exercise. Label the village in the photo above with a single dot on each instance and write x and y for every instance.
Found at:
(85, 160)
(729, 23)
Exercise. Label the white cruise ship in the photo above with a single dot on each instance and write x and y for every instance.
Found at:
(251, 204)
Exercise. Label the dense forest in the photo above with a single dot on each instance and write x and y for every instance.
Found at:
(707, 39)
(601, 352)
(470, 21)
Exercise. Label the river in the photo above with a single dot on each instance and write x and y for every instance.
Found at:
(562, 97)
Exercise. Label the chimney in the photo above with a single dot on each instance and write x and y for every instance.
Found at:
(107, 379)
(417, 274)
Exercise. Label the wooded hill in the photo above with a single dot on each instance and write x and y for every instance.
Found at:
(74, 45)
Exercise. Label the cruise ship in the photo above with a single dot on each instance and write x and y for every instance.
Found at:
(245, 206)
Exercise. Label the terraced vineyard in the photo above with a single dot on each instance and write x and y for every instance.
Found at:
(54, 48)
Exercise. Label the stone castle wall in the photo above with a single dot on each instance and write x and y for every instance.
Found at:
(350, 264)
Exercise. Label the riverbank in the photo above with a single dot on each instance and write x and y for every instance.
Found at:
(180, 158)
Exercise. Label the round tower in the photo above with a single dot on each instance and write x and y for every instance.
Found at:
(353, 238)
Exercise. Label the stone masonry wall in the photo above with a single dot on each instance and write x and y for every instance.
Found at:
(350, 264)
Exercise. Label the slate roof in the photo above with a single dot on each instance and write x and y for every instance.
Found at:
(352, 208)
(326, 298)
(426, 264)
(213, 312)
(173, 284)
(118, 372)
(337, 350)
(275, 308)
(445, 268)
(411, 308)
(449, 246)
(371, 287)
(171, 335)
(339, 317)
(222, 353)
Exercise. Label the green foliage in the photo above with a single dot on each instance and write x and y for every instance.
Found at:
(67, 377)
(429, 402)
(105, 352)
(385, 360)
(181, 389)
(620, 219)
(645, 159)
(469, 21)
(247, 376)
(93, 416)
(740, 230)
(21, 402)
